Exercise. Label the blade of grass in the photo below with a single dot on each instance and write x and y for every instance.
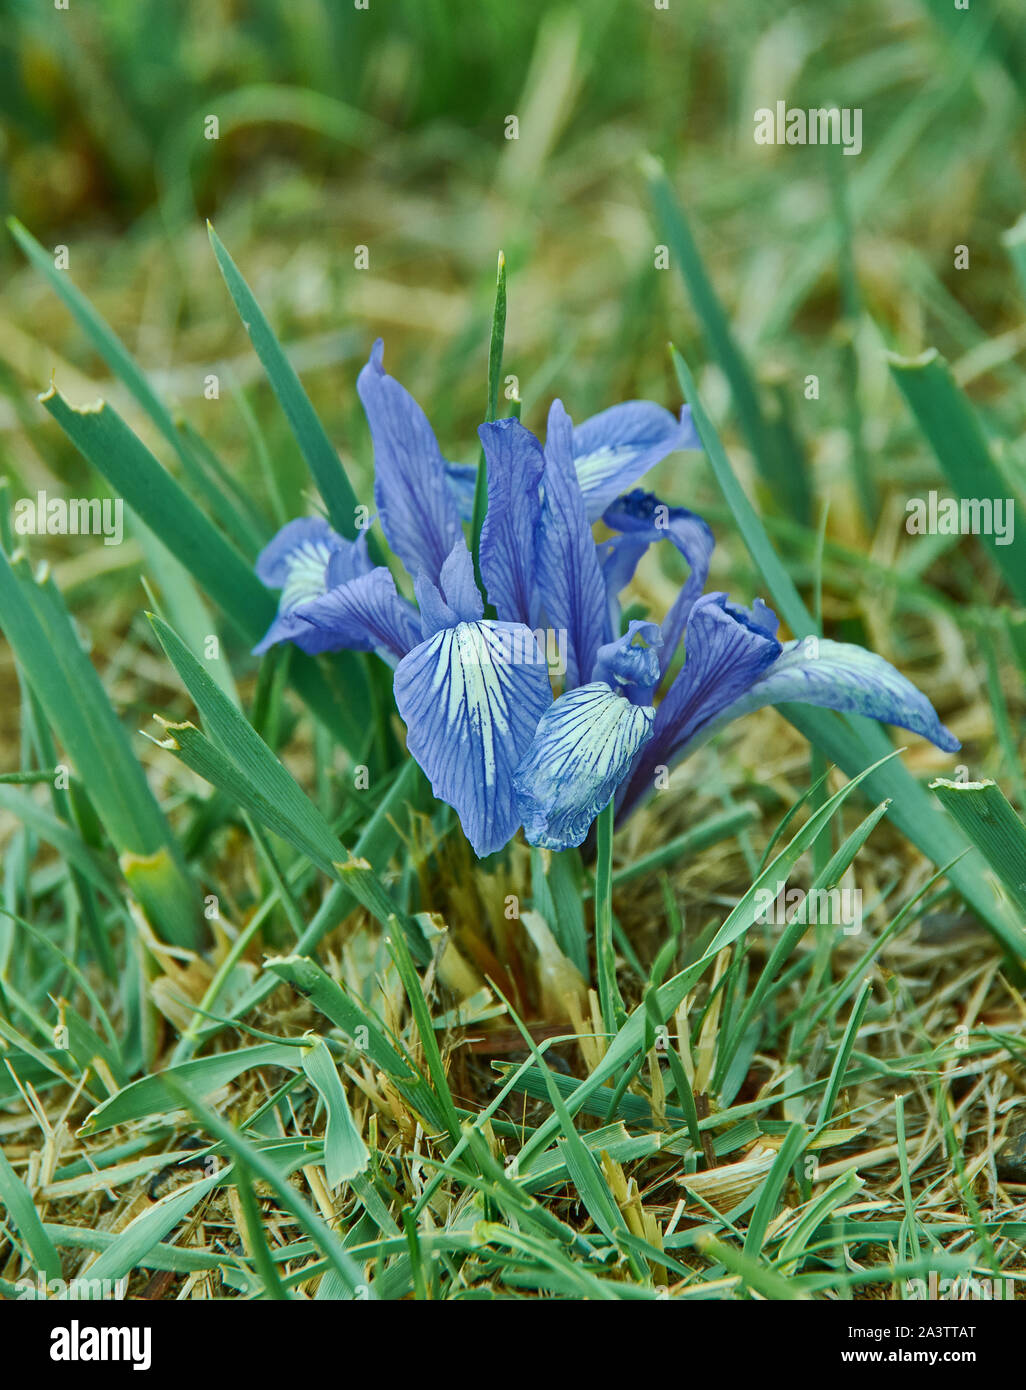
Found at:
(667, 998)
(987, 817)
(22, 1211)
(399, 951)
(151, 1095)
(75, 703)
(950, 424)
(610, 999)
(316, 1228)
(785, 481)
(320, 454)
(840, 1066)
(495, 348)
(345, 1154)
(253, 1233)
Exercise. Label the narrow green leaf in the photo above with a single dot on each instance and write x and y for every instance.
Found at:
(963, 452)
(364, 1030)
(22, 1211)
(256, 1239)
(709, 832)
(296, 819)
(396, 942)
(988, 818)
(495, 349)
(345, 1154)
(132, 1245)
(631, 1036)
(786, 481)
(318, 450)
(773, 1186)
(842, 1058)
(376, 844)
(157, 499)
(762, 1278)
(316, 1228)
(150, 1095)
(844, 1187)
(100, 335)
(75, 703)
(70, 846)
(610, 999)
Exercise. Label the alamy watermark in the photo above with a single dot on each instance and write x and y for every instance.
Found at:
(513, 645)
(74, 1289)
(820, 125)
(962, 1287)
(70, 516)
(934, 515)
(831, 907)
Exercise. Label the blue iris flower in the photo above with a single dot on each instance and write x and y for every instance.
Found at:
(475, 692)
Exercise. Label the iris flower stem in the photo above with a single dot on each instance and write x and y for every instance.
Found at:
(611, 1003)
(495, 349)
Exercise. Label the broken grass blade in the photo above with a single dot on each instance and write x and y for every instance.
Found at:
(345, 1153)
(988, 818)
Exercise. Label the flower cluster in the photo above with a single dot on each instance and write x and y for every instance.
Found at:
(471, 679)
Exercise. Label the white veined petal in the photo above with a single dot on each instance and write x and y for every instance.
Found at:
(582, 750)
(471, 697)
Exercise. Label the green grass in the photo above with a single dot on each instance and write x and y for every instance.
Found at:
(269, 1032)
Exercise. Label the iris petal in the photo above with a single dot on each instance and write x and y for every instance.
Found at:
(303, 560)
(614, 448)
(570, 582)
(455, 599)
(643, 519)
(462, 481)
(629, 667)
(308, 536)
(842, 676)
(581, 752)
(418, 513)
(515, 465)
(727, 649)
(365, 614)
(471, 697)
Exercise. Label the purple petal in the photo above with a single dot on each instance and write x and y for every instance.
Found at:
(301, 560)
(614, 448)
(515, 465)
(630, 668)
(308, 536)
(462, 480)
(726, 649)
(458, 583)
(455, 599)
(570, 582)
(845, 677)
(417, 510)
(643, 519)
(348, 561)
(582, 750)
(471, 697)
(364, 614)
